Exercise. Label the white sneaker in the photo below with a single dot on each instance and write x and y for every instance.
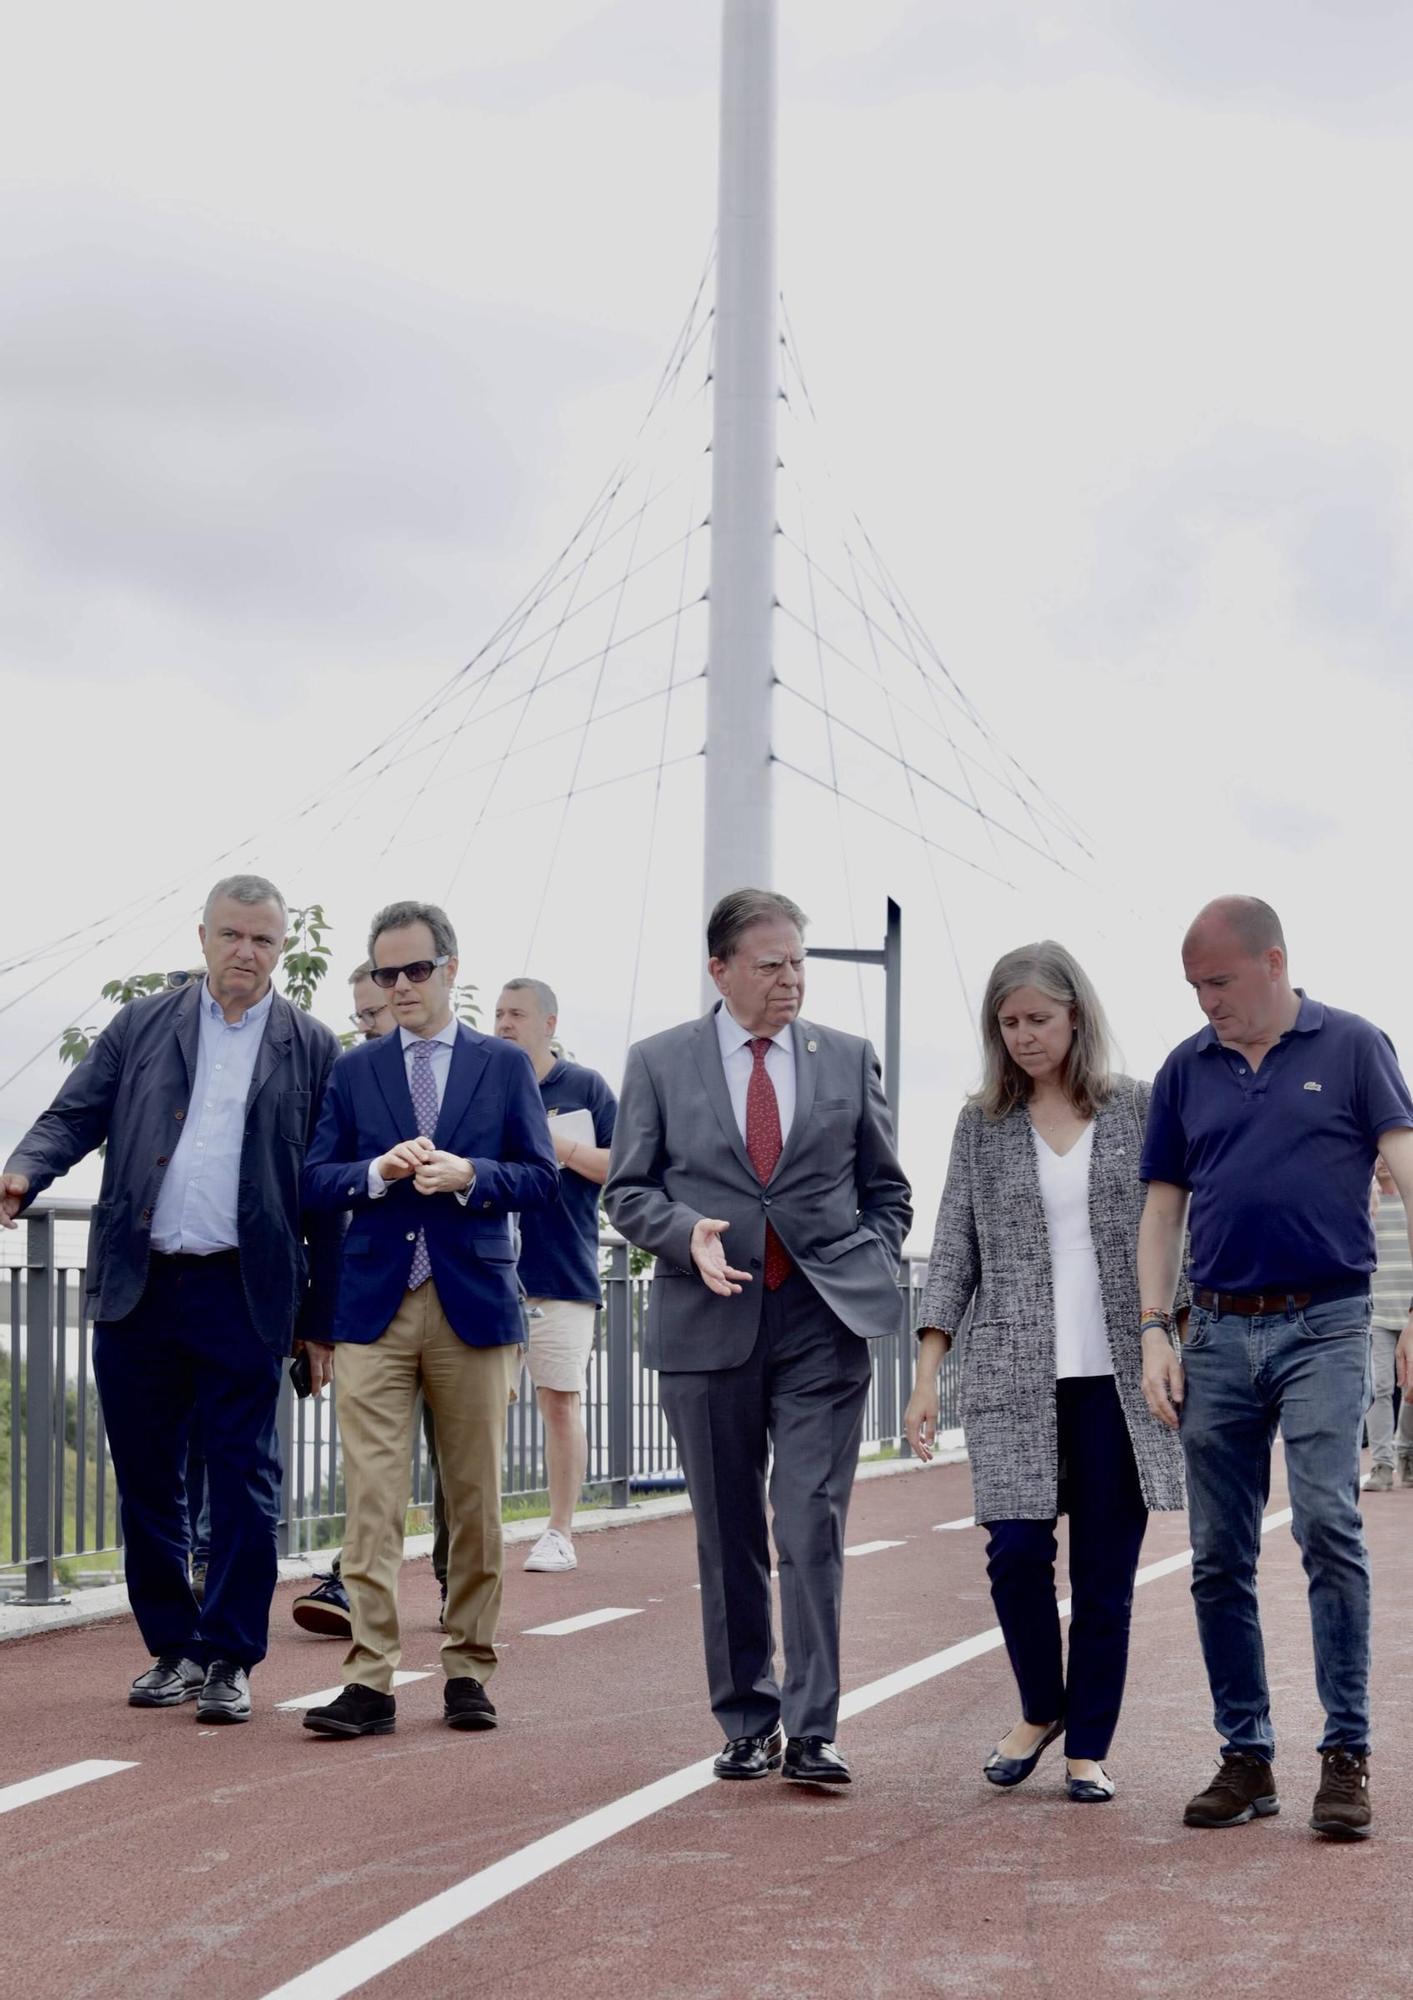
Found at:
(552, 1551)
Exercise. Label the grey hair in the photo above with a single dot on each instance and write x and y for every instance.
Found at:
(1253, 924)
(248, 889)
(739, 909)
(397, 916)
(544, 994)
(364, 971)
(1056, 973)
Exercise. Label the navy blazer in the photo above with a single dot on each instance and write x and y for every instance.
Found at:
(132, 1089)
(491, 1115)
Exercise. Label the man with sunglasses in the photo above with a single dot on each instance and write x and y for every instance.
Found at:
(432, 1137)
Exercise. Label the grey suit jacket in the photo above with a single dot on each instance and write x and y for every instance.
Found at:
(838, 1198)
(991, 1254)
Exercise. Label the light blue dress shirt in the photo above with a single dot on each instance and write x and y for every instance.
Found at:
(196, 1212)
(443, 1042)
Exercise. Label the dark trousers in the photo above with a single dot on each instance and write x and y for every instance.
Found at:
(801, 1391)
(441, 1527)
(1108, 1518)
(189, 1353)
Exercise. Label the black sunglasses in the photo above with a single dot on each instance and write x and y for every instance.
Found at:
(419, 972)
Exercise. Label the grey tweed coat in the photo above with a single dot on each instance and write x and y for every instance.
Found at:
(991, 1254)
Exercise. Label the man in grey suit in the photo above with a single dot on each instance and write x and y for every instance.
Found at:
(754, 1121)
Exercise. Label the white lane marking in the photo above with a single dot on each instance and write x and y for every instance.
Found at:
(357, 1963)
(967, 1521)
(324, 1695)
(12, 1797)
(871, 1548)
(581, 1623)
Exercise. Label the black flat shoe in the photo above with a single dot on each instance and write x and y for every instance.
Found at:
(466, 1705)
(358, 1711)
(752, 1756)
(1007, 1771)
(1090, 1791)
(813, 1760)
(225, 1694)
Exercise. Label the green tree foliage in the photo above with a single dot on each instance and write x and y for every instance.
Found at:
(306, 955)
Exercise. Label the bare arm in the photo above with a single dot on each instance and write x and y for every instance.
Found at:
(579, 1158)
(1396, 1145)
(920, 1417)
(1160, 1240)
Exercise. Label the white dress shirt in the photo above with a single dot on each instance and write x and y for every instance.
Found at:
(1081, 1336)
(195, 1213)
(442, 1044)
(738, 1062)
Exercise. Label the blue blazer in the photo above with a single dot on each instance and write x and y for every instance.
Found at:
(132, 1089)
(491, 1115)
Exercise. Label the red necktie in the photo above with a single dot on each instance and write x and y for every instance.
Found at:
(764, 1146)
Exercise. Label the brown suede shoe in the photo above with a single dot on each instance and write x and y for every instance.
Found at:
(1342, 1810)
(1244, 1788)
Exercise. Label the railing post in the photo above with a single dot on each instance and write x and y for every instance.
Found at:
(620, 1374)
(39, 1410)
(284, 1425)
(905, 1352)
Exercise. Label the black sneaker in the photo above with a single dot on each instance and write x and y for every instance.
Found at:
(325, 1609)
(226, 1694)
(358, 1711)
(173, 1679)
(1244, 1788)
(467, 1705)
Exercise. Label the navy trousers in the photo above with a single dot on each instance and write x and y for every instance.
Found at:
(1108, 1519)
(189, 1354)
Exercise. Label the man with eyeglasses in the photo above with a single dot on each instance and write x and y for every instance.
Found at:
(432, 1137)
(754, 1121)
(372, 1014)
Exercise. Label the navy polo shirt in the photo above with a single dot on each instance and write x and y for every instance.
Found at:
(559, 1247)
(1279, 1159)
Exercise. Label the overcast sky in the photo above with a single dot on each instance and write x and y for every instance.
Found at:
(325, 324)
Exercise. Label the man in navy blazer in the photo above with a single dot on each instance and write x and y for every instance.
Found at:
(200, 1275)
(432, 1137)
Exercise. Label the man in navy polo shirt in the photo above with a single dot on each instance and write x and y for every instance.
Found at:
(559, 1254)
(1269, 1121)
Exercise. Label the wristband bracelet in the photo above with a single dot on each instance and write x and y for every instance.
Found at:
(1151, 1317)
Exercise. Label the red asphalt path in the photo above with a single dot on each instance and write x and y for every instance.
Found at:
(228, 1861)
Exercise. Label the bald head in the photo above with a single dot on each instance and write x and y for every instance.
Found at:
(1243, 920)
(1233, 958)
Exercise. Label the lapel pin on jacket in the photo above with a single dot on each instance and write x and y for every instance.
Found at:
(812, 1047)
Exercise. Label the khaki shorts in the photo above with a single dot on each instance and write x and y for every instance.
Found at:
(561, 1336)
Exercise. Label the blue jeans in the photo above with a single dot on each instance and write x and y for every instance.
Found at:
(1305, 1374)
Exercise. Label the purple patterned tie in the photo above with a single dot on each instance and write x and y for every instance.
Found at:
(424, 1103)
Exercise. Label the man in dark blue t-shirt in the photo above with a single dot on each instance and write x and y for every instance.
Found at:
(1268, 1122)
(559, 1254)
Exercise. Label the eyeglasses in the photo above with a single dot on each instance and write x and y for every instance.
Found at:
(419, 972)
(367, 1017)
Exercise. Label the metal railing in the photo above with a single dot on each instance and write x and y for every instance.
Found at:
(57, 1485)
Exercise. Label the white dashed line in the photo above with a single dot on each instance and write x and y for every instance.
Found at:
(323, 1695)
(967, 1521)
(12, 1797)
(393, 1942)
(582, 1623)
(871, 1548)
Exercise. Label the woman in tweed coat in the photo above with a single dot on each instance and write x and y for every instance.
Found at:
(1033, 1264)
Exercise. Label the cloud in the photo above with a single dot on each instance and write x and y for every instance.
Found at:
(229, 433)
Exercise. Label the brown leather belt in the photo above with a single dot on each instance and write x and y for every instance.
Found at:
(1251, 1303)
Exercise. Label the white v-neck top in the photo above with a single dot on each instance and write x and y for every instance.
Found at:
(1081, 1341)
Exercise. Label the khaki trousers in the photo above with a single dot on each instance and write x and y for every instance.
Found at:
(469, 1390)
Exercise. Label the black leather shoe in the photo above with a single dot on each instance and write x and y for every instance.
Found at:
(751, 1756)
(467, 1705)
(999, 1770)
(173, 1679)
(225, 1697)
(1090, 1791)
(358, 1711)
(813, 1760)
